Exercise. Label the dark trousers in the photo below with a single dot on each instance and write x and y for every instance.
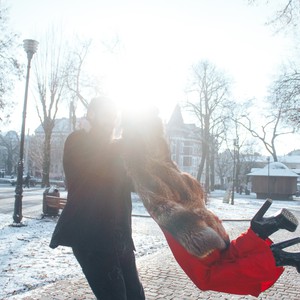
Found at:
(111, 276)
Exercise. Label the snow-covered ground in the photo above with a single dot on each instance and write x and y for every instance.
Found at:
(26, 261)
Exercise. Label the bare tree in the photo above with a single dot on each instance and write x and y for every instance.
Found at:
(286, 88)
(11, 143)
(207, 101)
(269, 131)
(286, 14)
(10, 69)
(80, 85)
(224, 167)
(246, 159)
(74, 80)
(285, 93)
(236, 138)
(83, 86)
(35, 155)
(51, 83)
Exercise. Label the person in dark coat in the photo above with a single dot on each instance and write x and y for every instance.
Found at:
(96, 221)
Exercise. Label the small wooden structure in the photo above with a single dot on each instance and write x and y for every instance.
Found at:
(275, 181)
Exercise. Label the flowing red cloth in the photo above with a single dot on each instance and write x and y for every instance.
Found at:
(246, 267)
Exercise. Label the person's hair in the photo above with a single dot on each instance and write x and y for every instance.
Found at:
(174, 199)
(101, 110)
(145, 123)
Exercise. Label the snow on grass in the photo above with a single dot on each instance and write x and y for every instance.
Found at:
(27, 261)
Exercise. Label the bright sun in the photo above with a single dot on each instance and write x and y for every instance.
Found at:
(135, 82)
(132, 93)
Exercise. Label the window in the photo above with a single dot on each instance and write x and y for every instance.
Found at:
(187, 150)
(187, 161)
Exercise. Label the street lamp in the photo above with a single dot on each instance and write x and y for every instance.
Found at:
(30, 47)
(268, 159)
(235, 144)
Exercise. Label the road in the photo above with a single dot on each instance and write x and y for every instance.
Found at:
(32, 201)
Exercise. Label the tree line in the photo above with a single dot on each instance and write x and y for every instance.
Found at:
(60, 80)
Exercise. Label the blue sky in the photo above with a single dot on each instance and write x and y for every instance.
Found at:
(160, 40)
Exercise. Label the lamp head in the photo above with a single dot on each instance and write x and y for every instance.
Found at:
(30, 47)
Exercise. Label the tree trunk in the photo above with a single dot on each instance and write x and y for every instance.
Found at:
(238, 168)
(207, 172)
(202, 162)
(9, 163)
(212, 169)
(46, 161)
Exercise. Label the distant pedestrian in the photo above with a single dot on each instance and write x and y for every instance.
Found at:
(96, 221)
(241, 189)
(27, 181)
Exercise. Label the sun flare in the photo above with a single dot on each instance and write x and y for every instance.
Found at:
(132, 94)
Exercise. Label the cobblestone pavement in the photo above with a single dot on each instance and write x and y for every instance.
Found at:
(163, 278)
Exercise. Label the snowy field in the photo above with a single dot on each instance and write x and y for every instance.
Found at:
(27, 261)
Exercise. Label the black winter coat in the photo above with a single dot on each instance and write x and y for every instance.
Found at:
(97, 215)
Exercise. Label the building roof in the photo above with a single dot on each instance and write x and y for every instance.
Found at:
(176, 119)
(294, 153)
(295, 159)
(61, 126)
(177, 128)
(274, 169)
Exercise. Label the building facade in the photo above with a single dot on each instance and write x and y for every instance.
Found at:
(184, 142)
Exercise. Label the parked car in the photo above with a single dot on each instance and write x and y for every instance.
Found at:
(32, 181)
(58, 183)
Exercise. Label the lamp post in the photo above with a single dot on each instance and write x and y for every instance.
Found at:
(30, 47)
(235, 144)
(268, 159)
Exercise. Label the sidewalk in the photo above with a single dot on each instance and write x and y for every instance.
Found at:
(163, 279)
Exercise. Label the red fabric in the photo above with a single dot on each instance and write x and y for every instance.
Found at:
(246, 267)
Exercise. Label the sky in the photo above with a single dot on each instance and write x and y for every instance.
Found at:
(159, 41)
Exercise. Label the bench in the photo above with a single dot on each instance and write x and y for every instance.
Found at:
(52, 205)
(56, 202)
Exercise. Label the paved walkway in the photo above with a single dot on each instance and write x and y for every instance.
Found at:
(163, 279)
